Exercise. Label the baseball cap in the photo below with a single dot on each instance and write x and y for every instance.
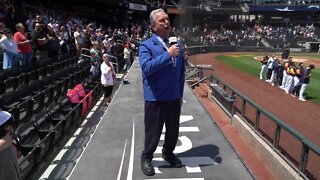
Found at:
(4, 117)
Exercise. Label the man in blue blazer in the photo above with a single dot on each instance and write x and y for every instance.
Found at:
(163, 70)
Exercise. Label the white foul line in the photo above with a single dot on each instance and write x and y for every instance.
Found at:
(130, 169)
(121, 164)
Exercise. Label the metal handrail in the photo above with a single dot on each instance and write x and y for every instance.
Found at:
(198, 82)
(306, 143)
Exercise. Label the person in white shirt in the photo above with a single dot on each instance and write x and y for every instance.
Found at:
(78, 37)
(108, 77)
(126, 57)
(10, 51)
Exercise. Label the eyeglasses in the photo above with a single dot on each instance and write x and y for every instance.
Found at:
(38, 26)
(104, 56)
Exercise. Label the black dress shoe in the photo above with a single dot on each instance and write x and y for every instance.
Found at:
(147, 167)
(172, 160)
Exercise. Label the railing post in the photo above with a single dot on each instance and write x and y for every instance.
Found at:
(277, 137)
(117, 65)
(257, 120)
(304, 158)
(243, 111)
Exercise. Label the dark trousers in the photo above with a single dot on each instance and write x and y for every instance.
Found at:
(157, 113)
(269, 73)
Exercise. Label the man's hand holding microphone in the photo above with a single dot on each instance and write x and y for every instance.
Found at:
(173, 50)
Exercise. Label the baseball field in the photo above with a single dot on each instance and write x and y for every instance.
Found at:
(250, 64)
(241, 71)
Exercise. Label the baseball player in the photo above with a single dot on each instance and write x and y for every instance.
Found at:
(305, 78)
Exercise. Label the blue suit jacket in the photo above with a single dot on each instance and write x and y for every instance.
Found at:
(162, 80)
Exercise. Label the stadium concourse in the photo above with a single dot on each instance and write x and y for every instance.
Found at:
(109, 144)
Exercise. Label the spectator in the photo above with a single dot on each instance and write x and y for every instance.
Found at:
(40, 42)
(95, 59)
(63, 44)
(108, 77)
(9, 167)
(127, 57)
(78, 37)
(53, 44)
(29, 22)
(10, 51)
(24, 48)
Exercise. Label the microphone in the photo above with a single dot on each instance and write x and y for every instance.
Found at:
(173, 40)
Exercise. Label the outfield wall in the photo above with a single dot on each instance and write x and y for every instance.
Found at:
(192, 50)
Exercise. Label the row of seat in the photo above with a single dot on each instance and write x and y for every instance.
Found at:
(30, 97)
(12, 83)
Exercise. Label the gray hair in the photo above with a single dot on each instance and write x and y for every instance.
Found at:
(19, 25)
(152, 16)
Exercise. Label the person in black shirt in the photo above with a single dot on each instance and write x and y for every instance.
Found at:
(40, 41)
(305, 79)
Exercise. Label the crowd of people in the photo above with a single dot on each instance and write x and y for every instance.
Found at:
(290, 76)
(43, 36)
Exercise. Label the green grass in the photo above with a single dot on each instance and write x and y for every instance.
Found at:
(247, 64)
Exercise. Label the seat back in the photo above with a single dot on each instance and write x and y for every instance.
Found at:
(9, 100)
(10, 84)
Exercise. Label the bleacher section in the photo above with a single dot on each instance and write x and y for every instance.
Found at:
(43, 113)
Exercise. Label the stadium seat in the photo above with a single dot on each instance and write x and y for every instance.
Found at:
(50, 69)
(42, 72)
(28, 138)
(44, 124)
(48, 95)
(11, 100)
(27, 160)
(26, 92)
(57, 90)
(64, 85)
(45, 87)
(33, 75)
(23, 79)
(10, 84)
(60, 116)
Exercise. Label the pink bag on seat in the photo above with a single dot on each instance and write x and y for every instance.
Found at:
(80, 90)
(74, 98)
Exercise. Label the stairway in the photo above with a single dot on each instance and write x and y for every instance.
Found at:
(200, 91)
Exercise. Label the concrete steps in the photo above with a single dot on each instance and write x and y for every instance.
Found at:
(202, 90)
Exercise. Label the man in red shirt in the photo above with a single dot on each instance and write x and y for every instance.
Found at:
(24, 48)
